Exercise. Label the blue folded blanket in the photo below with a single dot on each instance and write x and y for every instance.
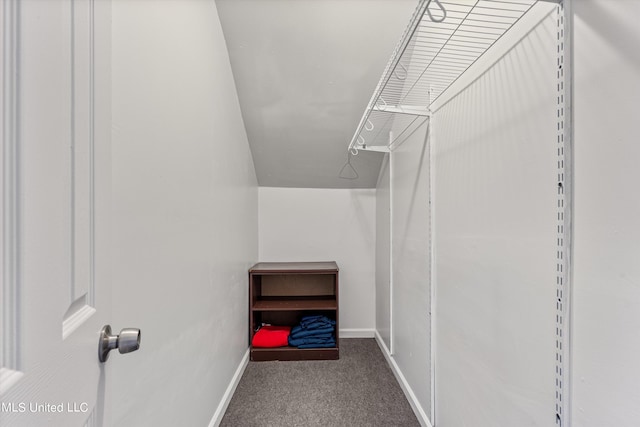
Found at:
(309, 322)
(313, 332)
(306, 319)
(312, 318)
(326, 339)
(297, 332)
(318, 324)
(318, 345)
(310, 338)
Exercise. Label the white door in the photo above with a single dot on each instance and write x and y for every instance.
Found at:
(56, 182)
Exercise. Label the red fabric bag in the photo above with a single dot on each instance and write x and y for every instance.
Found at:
(271, 336)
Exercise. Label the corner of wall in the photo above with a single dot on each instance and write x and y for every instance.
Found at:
(228, 394)
(421, 415)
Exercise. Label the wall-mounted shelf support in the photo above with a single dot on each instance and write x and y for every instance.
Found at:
(378, 148)
(403, 109)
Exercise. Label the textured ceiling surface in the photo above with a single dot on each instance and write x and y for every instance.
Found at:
(304, 71)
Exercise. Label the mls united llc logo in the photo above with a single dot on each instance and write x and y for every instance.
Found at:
(35, 407)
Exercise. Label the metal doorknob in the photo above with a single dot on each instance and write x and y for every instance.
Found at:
(126, 342)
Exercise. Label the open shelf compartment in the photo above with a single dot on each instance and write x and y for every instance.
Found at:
(282, 293)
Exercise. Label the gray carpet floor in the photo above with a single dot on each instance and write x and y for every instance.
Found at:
(357, 390)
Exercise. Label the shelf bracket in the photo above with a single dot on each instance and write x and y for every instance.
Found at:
(403, 109)
(378, 148)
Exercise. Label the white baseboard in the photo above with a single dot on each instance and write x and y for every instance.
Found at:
(423, 419)
(231, 388)
(357, 333)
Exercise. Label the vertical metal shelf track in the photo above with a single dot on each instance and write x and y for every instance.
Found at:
(564, 214)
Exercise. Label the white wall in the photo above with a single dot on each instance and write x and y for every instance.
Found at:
(411, 264)
(495, 242)
(301, 224)
(383, 254)
(606, 285)
(403, 266)
(184, 213)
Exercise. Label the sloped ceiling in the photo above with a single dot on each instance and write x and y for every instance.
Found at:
(304, 72)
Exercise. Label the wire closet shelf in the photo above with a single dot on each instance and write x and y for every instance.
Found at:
(443, 39)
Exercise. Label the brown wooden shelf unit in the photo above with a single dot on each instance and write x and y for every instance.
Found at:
(280, 293)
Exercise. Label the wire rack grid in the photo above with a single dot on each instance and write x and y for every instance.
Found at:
(443, 39)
